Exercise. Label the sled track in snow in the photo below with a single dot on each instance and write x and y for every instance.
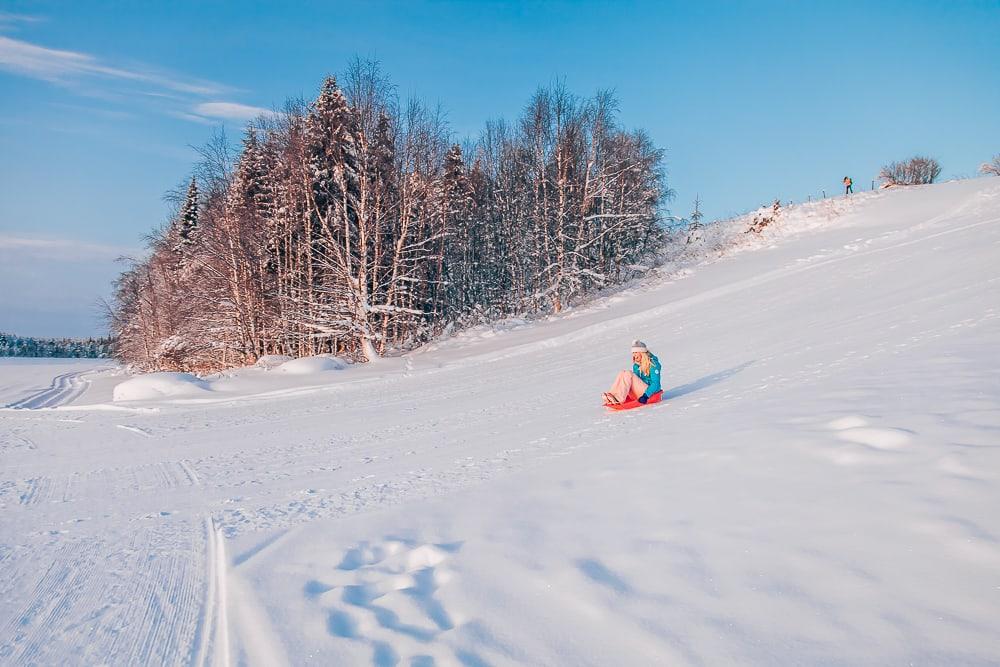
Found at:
(64, 389)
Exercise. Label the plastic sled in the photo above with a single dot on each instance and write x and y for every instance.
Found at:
(629, 405)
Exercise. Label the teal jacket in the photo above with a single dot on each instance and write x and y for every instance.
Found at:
(653, 379)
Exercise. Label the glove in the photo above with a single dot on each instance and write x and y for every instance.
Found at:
(643, 399)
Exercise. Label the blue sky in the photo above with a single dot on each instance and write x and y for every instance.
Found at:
(100, 101)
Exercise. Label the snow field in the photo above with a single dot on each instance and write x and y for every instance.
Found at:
(818, 486)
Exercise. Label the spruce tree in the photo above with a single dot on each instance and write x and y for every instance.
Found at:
(187, 221)
(696, 215)
(694, 228)
(342, 280)
(333, 154)
(459, 235)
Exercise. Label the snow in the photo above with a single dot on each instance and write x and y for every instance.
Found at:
(152, 386)
(819, 485)
(310, 365)
(271, 376)
(272, 360)
(37, 383)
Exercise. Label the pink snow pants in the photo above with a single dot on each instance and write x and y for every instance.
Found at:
(627, 386)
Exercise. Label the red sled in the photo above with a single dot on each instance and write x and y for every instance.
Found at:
(634, 403)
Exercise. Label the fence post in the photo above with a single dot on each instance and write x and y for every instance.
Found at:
(873, 185)
(824, 194)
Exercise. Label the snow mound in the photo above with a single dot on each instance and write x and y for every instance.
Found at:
(272, 360)
(153, 386)
(310, 365)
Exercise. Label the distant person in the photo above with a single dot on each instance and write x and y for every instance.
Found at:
(848, 185)
(641, 382)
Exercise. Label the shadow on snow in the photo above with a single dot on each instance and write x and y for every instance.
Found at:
(704, 382)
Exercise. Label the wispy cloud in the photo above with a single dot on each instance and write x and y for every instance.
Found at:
(60, 66)
(60, 249)
(230, 110)
(135, 86)
(9, 19)
(194, 118)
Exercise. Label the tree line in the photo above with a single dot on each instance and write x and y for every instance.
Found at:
(25, 346)
(354, 225)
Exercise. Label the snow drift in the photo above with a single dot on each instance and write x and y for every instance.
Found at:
(310, 365)
(154, 386)
(272, 360)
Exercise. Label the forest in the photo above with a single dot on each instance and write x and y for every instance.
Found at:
(26, 346)
(355, 225)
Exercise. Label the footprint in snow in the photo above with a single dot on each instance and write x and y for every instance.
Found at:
(385, 594)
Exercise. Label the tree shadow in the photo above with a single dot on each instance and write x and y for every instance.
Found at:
(703, 382)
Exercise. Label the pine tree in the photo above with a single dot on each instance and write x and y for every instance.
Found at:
(333, 156)
(341, 291)
(243, 249)
(459, 242)
(696, 215)
(694, 228)
(187, 222)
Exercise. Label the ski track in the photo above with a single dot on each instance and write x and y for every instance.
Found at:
(114, 484)
(130, 598)
(211, 642)
(65, 389)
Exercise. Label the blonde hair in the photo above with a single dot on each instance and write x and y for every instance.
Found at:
(644, 362)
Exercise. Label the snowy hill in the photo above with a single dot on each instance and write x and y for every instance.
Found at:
(819, 486)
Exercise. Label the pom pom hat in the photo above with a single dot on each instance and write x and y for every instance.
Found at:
(639, 346)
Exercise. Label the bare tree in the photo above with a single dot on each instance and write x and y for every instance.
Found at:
(991, 168)
(917, 170)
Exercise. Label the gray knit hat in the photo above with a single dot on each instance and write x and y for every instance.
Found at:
(639, 346)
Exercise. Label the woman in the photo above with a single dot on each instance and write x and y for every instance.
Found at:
(641, 382)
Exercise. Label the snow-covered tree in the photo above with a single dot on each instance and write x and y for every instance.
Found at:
(356, 225)
(187, 220)
(694, 228)
(696, 214)
(991, 168)
(457, 263)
